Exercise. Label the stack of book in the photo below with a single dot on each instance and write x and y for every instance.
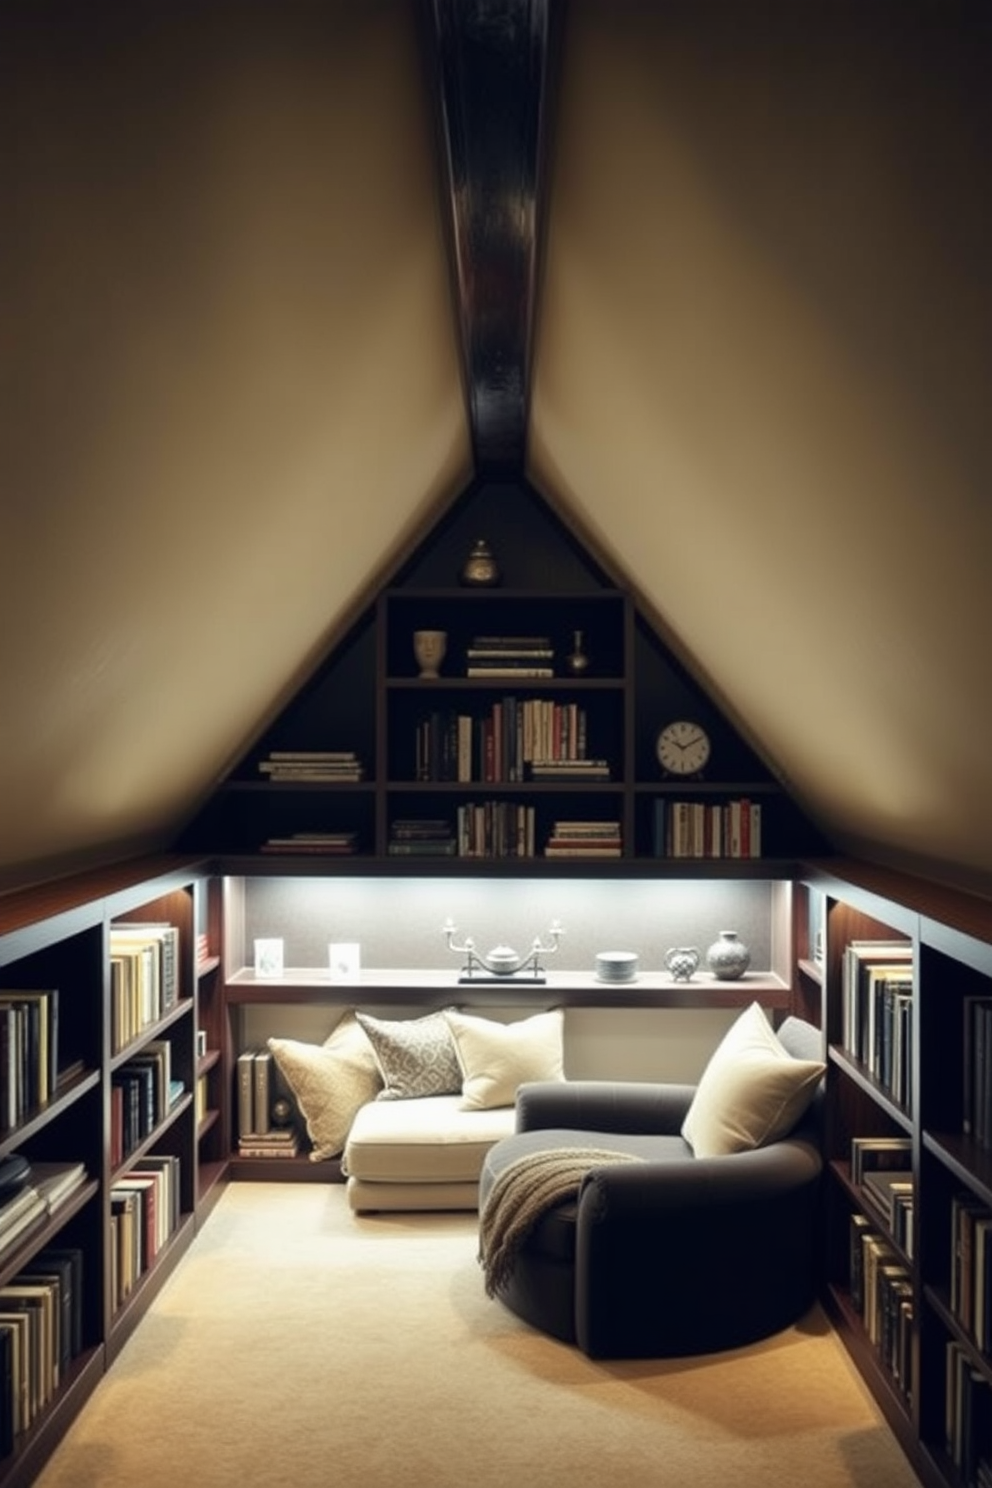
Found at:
(565, 768)
(330, 844)
(882, 1169)
(45, 1186)
(279, 1142)
(309, 766)
(510, 656)
(421, 837)
(584, 839)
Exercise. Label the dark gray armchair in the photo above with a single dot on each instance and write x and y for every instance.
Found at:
(675, 1255)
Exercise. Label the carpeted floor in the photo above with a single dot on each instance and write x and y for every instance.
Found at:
(299, 1345)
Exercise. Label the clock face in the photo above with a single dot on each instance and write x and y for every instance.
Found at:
(683, 748)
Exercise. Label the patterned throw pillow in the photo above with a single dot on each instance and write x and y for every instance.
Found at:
(329, 1081)
(416, 1056)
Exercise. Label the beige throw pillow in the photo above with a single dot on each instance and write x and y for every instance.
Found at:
(329, 1081)
(497, 1057)
(751, 1092)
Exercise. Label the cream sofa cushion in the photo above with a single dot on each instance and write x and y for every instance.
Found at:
(428, 1140)
(497, 1057)
(330, 1081)
(751, 1092)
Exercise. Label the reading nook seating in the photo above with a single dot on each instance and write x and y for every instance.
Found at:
(706, 1239)
(413, 1105)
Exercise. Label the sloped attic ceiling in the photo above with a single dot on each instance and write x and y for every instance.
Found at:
(232, 388)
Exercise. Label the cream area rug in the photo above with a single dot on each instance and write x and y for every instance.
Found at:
(300, 1345)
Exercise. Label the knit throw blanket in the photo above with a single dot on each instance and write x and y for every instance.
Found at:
(522, 1193)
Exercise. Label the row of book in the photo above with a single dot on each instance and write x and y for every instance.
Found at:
(510, 656)
(41, 1332)
(877, 1008)
(29, 1053)
(882, 1169)
(516, 739)
(144, 1212)
(977, 1093)
(144, 977)
(258, 1134)
(313, 766)
(882, 1295)
(44, 1187)
(495, 829)
(971, 1267)
(968, 1418)
(142, 1092)
(706, 829)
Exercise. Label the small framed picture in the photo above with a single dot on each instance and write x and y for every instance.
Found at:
(345, 960)
(268, 958)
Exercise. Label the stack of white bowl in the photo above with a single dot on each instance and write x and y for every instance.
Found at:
(616, 966)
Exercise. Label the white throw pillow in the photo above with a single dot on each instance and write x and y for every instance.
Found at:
(751, 1092)
(497, 1057)
(329, 1081)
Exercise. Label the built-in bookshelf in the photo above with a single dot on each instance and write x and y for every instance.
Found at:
(98, 1011)
(904, 971)
(539, 702)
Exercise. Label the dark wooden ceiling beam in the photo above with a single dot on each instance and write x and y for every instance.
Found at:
(494, 73)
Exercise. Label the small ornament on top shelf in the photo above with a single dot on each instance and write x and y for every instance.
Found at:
(480, 569)
(430, 648)
(577, 660)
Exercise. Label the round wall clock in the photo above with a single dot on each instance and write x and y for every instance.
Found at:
(683, 747)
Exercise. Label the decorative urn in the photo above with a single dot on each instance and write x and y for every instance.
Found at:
(728, 958)
(682, 961)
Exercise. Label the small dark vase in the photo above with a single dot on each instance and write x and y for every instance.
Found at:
(577, 662)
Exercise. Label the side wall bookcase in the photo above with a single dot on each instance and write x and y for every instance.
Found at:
(57, 938)
(910, 1288)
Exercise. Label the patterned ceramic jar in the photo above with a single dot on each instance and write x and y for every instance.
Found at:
(728, 958)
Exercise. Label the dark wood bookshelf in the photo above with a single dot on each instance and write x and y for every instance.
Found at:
(950, 936)
(57, 935)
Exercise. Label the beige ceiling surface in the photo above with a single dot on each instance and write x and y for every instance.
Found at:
(763, 381)
(231, 388)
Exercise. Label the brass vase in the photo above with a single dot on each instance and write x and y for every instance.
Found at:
(480, 569)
